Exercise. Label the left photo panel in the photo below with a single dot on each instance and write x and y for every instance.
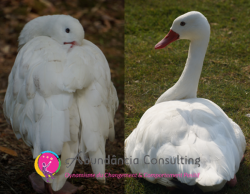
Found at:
(62, 96)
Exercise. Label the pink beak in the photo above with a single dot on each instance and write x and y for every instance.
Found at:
(171, 37)
(72, 43)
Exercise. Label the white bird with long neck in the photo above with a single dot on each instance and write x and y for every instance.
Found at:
(180, 125)
(60, 97)
(194, 27)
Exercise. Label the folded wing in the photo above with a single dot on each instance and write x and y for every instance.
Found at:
(61, 100)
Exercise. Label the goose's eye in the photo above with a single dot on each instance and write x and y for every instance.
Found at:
(67, 30)
(182, 23)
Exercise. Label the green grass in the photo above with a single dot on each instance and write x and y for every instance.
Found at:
(225, 78)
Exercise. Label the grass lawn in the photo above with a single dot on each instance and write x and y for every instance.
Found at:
(225, 78)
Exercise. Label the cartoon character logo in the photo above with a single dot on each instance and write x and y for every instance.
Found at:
(47, 164)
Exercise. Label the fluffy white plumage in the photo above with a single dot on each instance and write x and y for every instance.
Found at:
(182, 125)
(61, 98)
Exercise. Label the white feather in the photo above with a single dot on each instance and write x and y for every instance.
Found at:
(177, 128)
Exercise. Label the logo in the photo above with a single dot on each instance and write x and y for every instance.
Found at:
(47, 164)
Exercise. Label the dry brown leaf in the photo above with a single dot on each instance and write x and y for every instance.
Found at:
(8, 131)
(108, 25)
(3, 134)
(3, 91)
(9, 9)
(32, 16)
(79, 14)
(8, 151)
(46, 3)
(6, 49)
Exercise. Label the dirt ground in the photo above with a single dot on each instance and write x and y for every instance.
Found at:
(103, 22)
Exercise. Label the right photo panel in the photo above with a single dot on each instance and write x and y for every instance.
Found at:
(187, 104)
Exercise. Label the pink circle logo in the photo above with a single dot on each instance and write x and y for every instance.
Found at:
(50, 160)
(47, 164)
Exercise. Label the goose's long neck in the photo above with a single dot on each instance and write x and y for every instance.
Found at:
(188, 82)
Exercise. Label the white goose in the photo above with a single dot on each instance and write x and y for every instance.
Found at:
(180, 125)
(60, 96)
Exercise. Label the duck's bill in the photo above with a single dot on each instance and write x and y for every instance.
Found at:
(73, 43)
(171, 37)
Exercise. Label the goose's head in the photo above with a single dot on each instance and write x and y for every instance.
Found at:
(192, 26)
(62, 28)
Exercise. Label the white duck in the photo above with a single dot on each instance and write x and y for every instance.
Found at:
(60, 96)
(182, 125)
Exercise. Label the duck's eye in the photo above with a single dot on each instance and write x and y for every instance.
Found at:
(67, 30)
(182, 23)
